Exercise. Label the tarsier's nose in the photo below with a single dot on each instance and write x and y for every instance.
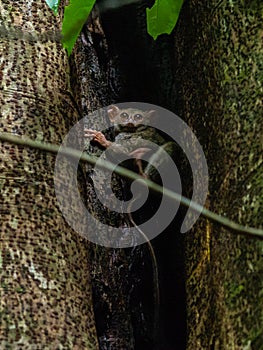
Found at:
(130, 125)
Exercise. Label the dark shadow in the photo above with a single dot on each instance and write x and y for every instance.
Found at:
(142, 70)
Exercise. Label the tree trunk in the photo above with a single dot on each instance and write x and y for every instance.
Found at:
(218, 54)
(92, 81)
(45, 287)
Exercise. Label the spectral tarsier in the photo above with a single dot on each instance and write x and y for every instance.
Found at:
(132, 135)
(132, 131)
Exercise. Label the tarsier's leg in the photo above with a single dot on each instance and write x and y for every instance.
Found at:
(138, 154)
(140, 167)
(159, 160)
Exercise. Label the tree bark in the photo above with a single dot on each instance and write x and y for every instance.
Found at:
(218, 55)
(45, 286)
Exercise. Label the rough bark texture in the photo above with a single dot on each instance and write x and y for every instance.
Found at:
(211, 76)
(218, 55)
(45, 287)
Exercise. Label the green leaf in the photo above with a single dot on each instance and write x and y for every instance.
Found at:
(75, 16)
(162, 17)
(53, 4)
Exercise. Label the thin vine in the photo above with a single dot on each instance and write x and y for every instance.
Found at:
(216, 218)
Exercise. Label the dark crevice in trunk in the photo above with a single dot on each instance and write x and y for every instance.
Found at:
(143, 70)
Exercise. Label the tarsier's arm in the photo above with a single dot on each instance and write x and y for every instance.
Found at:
(117, 148)
(98, 137)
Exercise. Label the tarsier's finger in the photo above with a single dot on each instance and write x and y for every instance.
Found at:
(90, 132)
(88, 135)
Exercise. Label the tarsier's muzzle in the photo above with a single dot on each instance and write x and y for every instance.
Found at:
(130, 125)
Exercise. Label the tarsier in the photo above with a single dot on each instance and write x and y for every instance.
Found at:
(134, 137)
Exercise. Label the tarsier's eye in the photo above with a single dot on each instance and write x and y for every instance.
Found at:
(138, 117)
(124, 116)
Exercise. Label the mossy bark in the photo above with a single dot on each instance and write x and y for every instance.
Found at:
(218, 54)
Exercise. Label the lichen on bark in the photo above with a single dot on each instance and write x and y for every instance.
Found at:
(218, 51)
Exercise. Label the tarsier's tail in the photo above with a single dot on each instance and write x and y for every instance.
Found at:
(155, 270)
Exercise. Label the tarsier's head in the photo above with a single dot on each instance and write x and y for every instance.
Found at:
(129, 119)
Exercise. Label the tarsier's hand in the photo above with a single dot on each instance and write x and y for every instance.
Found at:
(97, 136)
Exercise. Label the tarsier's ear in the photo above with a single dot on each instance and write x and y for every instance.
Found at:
(152, 114)
(112, 112)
